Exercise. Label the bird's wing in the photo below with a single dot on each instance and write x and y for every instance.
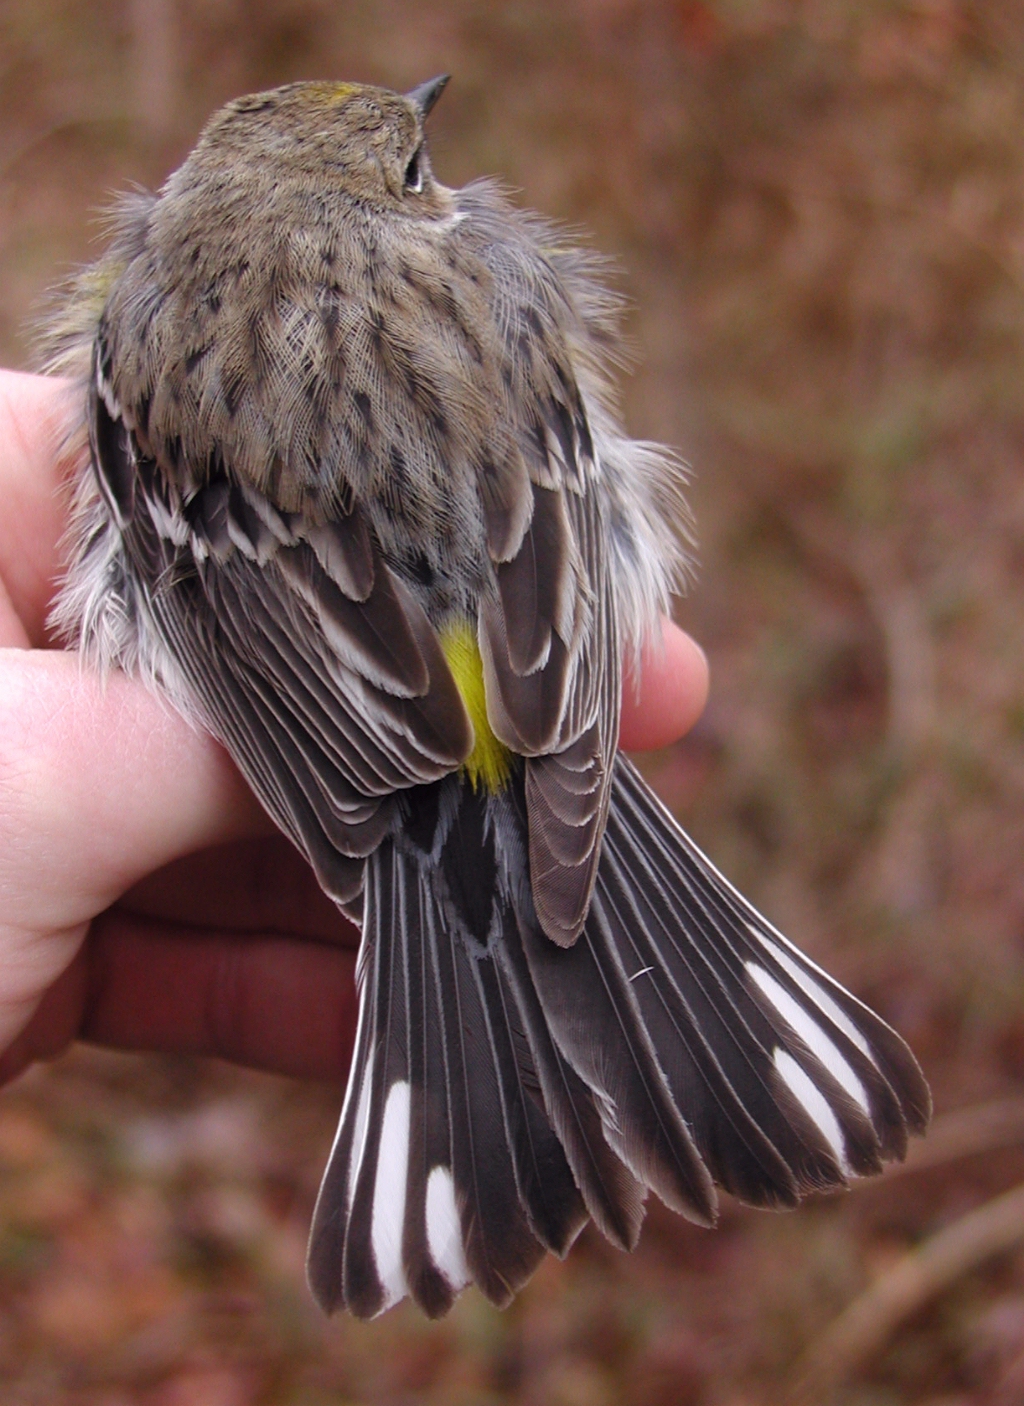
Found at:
(550, 647)
(294, 641)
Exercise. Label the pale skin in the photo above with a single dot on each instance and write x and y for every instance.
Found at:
(146, 903)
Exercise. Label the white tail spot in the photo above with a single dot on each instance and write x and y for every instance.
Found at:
(820, 1044)
(389, 1194)
(814, 1103)
(444, 1230)
(817, 993)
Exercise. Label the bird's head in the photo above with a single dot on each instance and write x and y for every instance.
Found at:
(365, 142)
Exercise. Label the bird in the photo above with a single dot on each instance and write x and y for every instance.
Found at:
(358, 500)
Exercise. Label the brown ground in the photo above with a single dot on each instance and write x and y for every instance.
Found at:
(820, 210)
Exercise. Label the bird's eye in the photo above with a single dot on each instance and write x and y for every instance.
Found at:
(414, 173)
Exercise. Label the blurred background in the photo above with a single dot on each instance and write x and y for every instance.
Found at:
(818, 209)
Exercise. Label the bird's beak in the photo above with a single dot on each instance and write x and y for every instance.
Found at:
(426, 95)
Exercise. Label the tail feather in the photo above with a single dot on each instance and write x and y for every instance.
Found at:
(546, 1185)
(688, 1034)
(500, 1249)
(773, 1036)
(614, 1198)
(373, 1276)
(713, 1036)
(880, 1055)
(325, 1260)
(432, 1244)
(445, 1169)
(590, 1009)
(505, 1087)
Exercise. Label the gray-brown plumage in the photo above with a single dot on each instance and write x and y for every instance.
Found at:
(359, 502)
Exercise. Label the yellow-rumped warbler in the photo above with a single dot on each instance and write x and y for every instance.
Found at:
(359, 502)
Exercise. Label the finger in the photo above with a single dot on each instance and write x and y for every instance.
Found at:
(669, 696)
(243, 886)
(100, 783)
(263, 1000)
(49, 1023)
(35, 415)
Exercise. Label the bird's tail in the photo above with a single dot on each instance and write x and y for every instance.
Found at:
(505, 1088)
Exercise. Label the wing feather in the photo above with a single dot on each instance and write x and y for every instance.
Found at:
(301, 649)
(551, 663)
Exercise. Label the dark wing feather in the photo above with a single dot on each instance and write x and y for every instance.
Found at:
(568, 790)
(535, 587)
(551, 660)
(302, 650)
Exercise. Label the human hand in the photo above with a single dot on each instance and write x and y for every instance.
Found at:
(146, 902)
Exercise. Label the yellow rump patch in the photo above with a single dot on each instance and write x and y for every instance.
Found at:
(490, 762)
